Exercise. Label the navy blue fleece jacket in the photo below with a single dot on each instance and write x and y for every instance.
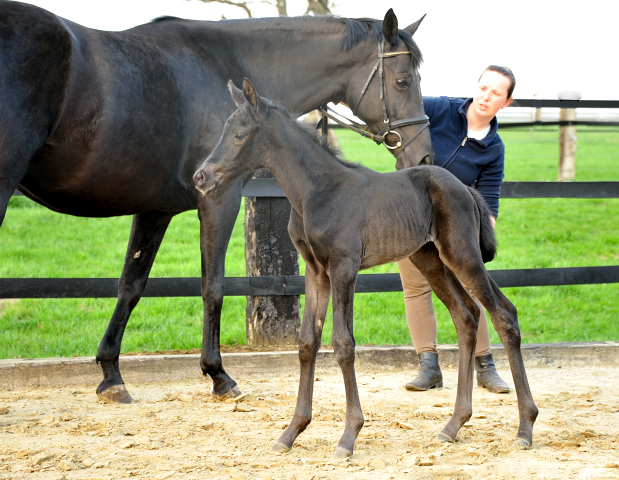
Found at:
(477, 163)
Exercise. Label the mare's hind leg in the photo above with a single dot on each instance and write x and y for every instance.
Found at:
(147, 232)
(317, 293)
(217, 218)
(505, 320)
(465, 315)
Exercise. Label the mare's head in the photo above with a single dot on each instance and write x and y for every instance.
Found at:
(390, 101)
(241, 147)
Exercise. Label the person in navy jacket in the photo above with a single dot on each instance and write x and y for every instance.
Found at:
(465, 141)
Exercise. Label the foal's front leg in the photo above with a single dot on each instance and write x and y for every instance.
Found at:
(343, 280)
(317, 290)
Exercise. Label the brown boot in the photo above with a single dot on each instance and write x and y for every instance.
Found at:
(487, 376)
(429, 375)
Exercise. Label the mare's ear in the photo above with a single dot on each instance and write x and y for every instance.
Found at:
(251, 95)
(414, 26)
(236, 93)
(390, 27)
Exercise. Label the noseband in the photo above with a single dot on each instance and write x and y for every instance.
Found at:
(363, 130)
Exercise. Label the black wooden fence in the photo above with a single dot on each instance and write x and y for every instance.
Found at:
(295, 285)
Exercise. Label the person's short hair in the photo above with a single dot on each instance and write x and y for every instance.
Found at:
(506, 72)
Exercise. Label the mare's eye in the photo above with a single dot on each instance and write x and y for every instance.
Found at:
(401, 83)
(239, 136)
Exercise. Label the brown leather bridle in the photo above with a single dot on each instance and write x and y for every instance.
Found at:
(364, 130)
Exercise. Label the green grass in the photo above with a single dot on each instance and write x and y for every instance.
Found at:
(532, 233)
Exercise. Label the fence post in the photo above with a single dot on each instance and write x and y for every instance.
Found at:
(270, 320)
(567, 138)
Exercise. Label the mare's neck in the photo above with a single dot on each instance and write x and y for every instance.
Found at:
(295, 62)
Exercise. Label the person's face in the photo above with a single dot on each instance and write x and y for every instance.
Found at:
(491, 94)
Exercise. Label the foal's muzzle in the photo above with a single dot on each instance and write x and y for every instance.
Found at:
(200, 181)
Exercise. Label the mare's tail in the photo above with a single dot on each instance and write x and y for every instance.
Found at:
(487, 238)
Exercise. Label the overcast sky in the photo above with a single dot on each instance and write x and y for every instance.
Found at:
(550, 46)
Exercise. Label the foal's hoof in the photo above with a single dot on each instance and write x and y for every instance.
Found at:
(234, 392)
(280, 448)
(444, 438)
(522, 444)
(341, 452)
(115, 394)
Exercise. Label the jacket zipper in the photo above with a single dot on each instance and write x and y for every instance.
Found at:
(452, 157)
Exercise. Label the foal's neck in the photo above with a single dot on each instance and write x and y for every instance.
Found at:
(303, 167)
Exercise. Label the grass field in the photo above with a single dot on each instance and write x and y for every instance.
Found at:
(532, 233)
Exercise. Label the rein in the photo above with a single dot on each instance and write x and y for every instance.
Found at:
(363, 129)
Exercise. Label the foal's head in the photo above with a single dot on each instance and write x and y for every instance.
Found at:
(241, 147)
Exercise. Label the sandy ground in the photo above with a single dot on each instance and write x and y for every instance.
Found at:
(179, 431)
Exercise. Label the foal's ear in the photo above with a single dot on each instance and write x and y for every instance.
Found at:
(390, 27)
(251, 95)
(414, 26)
(236, 93)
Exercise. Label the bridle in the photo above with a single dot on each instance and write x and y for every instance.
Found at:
(364, 130)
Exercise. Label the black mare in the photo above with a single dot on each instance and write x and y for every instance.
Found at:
(99, 124)
(345, 218)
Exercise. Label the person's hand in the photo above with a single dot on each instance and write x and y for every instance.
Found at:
(493, 221)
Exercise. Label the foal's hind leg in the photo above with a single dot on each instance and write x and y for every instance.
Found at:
(505, 320)
(465, 315)
(147, 233)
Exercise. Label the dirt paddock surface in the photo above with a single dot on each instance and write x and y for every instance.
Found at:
(177, 430)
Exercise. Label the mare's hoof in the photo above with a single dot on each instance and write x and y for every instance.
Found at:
(115, 394)
(341, 452)
(280, 448)
(444, 438)
(522, 444)
(234, 392)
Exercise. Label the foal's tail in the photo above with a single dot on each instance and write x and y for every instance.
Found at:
(487, 238)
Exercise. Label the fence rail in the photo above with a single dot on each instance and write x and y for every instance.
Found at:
(283, 284)
(295, 285)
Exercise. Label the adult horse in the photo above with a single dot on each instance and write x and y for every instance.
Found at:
(99, 124)
(345, 218)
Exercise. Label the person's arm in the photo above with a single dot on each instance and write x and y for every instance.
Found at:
(490, 181)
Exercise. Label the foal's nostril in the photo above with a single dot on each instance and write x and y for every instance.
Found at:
(199, 178)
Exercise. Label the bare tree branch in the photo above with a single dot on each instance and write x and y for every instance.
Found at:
(318, 7)
(242, 5)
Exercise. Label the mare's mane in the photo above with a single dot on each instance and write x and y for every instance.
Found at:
(356, 30)
(310, 132)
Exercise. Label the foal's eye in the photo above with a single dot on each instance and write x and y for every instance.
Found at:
(401, 83)
(239, 136)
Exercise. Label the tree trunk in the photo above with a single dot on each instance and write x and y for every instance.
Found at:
(270, 320)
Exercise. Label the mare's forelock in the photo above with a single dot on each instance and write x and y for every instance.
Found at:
(358, 30)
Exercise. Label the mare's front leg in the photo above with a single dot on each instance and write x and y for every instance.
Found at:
(147, 232)
(317, 293)
(465, 315)
(217, 217)
(343, 280)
